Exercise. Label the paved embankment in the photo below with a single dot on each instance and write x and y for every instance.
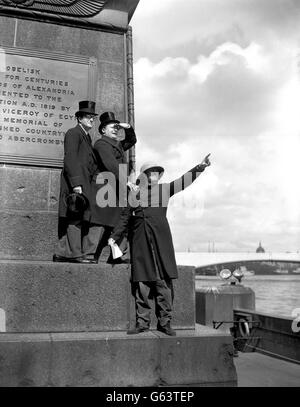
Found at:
(256, 369)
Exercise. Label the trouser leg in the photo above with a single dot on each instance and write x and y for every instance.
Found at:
(92, 238)
(142, 306)
(164, 296)
(69, 245)
(103, 241)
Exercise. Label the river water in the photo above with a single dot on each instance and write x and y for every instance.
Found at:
(275, 294)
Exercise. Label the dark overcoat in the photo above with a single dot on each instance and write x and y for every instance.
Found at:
(110, 154)
(150, 237)
(80, 164)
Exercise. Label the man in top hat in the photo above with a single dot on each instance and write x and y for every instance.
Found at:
(110, 151)
(75, 188)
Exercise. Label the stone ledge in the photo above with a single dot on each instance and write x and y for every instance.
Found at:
(61, 297)
(199, 357)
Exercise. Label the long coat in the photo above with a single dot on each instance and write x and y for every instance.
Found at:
(150, 237)
(80, 164)
(150, 241)
(110, 154)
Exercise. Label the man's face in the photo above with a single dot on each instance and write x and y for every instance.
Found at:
(153, 177)
(111, 130)
(87, 121)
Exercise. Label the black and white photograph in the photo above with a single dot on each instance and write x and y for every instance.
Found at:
(149, 197)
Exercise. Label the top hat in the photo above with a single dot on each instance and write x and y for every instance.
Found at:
(106, 118)
(77, 203)
(88, 107)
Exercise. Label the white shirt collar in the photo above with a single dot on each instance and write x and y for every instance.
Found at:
(83, 128)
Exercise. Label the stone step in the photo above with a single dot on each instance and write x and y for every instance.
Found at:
(202, 357)
(63, 297)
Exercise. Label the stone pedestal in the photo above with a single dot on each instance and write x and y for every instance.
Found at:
(65, 325)
(65, 297)
(29, 193)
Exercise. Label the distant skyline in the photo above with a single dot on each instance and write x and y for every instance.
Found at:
(212, 248)
(223, 77)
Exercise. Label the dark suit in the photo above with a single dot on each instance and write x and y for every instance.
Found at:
(79, 167)
(110, 154)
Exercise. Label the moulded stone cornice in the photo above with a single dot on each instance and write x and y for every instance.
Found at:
(113, 15)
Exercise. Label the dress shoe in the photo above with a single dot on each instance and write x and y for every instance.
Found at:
(83, 260)
(138, 330)
(60, 259)
(166, 329)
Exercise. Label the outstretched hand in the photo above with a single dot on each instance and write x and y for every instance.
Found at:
(206, 162)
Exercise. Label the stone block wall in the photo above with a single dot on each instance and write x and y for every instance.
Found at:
(63, 297)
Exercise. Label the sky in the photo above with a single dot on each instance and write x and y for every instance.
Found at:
(222, 77)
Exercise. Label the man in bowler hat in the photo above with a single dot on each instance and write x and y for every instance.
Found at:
(110, 151)
(75, 188)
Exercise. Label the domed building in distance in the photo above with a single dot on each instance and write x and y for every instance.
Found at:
(260, 249)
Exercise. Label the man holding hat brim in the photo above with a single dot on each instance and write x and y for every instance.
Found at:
(153, 264)
(79, 166)
(110, 151)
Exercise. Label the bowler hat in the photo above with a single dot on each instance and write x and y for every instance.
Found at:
(106, 118)
(77, 203)
(88, 107)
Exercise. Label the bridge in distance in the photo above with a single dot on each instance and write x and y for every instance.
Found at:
(205, 259)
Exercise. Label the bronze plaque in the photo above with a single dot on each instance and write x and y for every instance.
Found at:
(39, 95)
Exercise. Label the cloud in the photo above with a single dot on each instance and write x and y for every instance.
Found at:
(185, 28)
(218, 93)
(236, 94)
